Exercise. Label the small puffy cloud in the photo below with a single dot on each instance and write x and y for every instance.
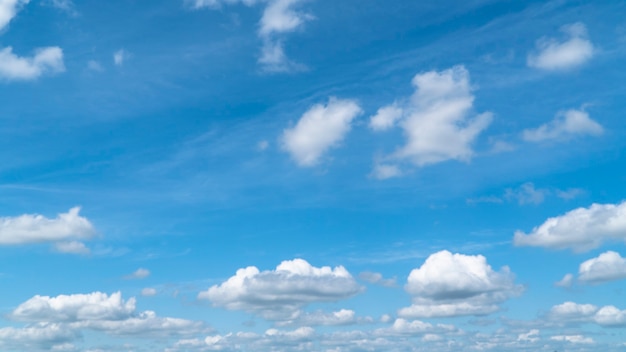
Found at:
(437, 119)
(279, 294)
(567, 124)
(44, 61)
(8, 10)
(552, 54)
(386, 118)
(608, 266)
(340, 317)
(449, 285)
(72, 308)
(410, 328)
(531, 336)
(148, 292)
(572, 339)
(377, 279)
(71, 247)
(35, 228)
(120, 56)
(138, 274)
(581, 229)
(319, 129)
(41, 336)
(566, 281)
(607, 316)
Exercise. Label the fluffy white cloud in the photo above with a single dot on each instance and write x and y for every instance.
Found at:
(78, 307)
(581, 229)
(320, 128)
(416, 327)
(45, 60)
(607, 266)
(37, 228)
(608, 316)
(138, 274)
(8, 10)
(455, 284)
(340, 317)
(44, 336)
(279, 294)
(531, 336)
(553, 54)
(148, 292)
(386, 117)
(566, 124)
(437, 119)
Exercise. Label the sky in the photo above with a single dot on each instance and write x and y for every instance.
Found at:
(312, 175)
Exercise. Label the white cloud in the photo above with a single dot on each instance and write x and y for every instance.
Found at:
(608, 266)
(138, 274)
(566, 124)
(526, 194)
(531, 336)
(72, 308)
(279, 294)
(148, 292)
(64, 5)
(416, 327)
(581, 229)
(340, 317)
(45, 60)
(43, 336)
(455, 284)
(215, 4)
(566, 281)
(37, 228)
(71, 247)
(386, 117)
(120, 56)
(554, 55)
(437, 119)
(319, 129)
(607, 316)
(572, 339)
(8, 10)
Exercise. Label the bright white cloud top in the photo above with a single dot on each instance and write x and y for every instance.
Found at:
(567, 124)
(279, 294)
(436, 120)
(319, 129)
(35, 228)
(44, 61)
(580, 229)
(609, 316)
(552, 54)
(448, 285)
(608, 266)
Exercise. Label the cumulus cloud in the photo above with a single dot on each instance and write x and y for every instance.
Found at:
(567, 124)
(41, 336)
(36, 228)
(44, 61)
(416, 327)
(607, 316)
(552, 54)
(138, 274)
(572, 339)
(279, 294)
(436, 120)
(8, 10)
(608, 266)
(72, 308)
(319, 129)
(68, 315)
(340, 317)
(449, 285)
(581, 229)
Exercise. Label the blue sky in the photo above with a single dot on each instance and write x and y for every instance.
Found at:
(288, 175)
